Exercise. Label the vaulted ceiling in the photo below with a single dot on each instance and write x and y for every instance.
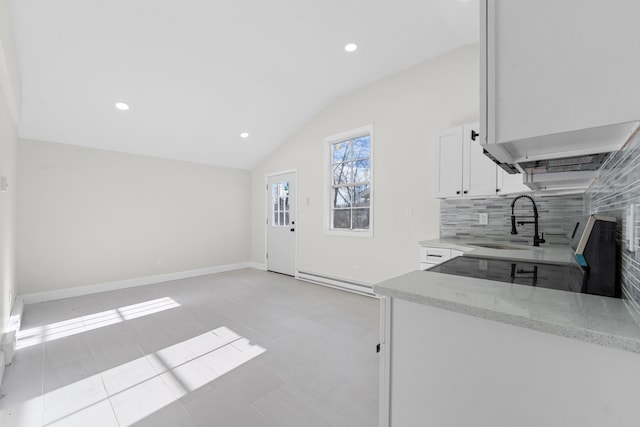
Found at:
(197, 73)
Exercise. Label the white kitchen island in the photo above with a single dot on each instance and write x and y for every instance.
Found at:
(458, 351)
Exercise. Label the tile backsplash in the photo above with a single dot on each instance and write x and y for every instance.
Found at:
(613, 193)
(616, 189)
(557, 217)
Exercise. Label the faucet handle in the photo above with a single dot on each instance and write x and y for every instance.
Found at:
(542, 239)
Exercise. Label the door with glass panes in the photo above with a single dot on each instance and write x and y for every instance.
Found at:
(281, 223)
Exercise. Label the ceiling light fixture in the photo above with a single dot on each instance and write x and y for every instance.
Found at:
(244, 135)
(122, 106)
(350, 47)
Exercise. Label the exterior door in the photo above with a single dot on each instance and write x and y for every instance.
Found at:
(281, 223)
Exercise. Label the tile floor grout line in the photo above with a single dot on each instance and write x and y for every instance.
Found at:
(113, 410)
(258, 304)
(42, 385)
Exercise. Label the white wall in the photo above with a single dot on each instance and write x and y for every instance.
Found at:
(9, 107)
(8, 216)
(406, 109)
(90, 216)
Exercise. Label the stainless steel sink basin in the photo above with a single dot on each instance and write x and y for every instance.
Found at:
(502, 246)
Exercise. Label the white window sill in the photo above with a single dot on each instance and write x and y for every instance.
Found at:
(349, 233)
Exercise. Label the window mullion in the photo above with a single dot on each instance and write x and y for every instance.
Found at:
(350, 161)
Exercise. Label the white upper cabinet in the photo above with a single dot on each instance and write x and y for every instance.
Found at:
(462, 170)
(449, 153)
(558, 78)
(510, 183)
(478, 171)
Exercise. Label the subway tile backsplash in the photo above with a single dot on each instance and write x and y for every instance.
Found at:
(557, 217)
(615, 190)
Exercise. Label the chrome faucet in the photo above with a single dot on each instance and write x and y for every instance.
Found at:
(536, 238)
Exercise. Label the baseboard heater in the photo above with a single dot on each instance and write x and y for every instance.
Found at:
(336, 282)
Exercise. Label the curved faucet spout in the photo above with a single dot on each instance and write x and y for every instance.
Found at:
(535, 208)
(536, 238)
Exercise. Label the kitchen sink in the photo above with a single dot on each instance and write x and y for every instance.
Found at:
(502, 246)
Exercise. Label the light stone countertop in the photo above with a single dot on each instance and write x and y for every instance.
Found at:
(595, 319)
(555, 254)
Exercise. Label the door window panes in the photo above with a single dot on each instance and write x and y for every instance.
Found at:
(280, 198)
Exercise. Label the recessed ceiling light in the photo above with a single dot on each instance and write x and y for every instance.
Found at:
(122, 106)
(244, 135)
(350, 47)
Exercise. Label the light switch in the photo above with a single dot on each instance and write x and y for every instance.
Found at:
(484, 218)
(630, 237)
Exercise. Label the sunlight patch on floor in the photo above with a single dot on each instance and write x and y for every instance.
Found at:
(66, 328)
(137, 389)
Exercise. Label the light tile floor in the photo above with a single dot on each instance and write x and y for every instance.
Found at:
(244, 348)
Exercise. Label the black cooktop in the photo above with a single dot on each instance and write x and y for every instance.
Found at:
(563, 277)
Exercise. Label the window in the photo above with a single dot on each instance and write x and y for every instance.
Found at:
(280, 204)
(349, 162)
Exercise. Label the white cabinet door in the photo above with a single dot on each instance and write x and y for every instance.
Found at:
(551, 66)
(510, 183)
(478, 171)
(449, 163)
(462, 169)
(451, 369)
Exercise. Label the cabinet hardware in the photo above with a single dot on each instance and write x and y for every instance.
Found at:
(465, 192)
(474, 134)
(458, 192)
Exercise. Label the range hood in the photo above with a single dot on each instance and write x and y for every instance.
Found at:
(577, 172)
(563, 161)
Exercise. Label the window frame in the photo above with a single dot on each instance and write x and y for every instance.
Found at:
(328, 181)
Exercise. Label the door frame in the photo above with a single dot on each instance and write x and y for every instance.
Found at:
(267, 205)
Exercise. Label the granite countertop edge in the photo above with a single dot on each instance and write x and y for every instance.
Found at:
(553, 253)
(588, 335)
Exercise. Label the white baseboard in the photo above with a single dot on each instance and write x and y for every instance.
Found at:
(337, 282)
(258, 266)
(127, 283)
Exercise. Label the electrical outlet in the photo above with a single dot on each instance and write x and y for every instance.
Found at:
(408, 212)
(483, 218)
(160, 262)
(357, 268)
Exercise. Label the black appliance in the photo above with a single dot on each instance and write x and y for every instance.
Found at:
(594, 244)
(571, 278)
